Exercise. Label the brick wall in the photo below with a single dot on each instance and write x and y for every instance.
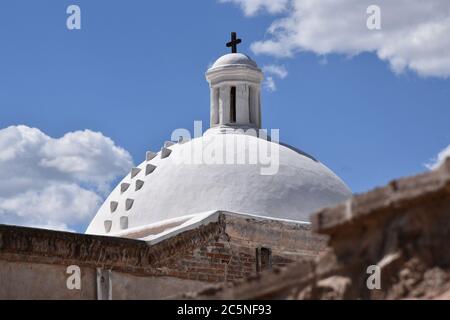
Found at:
(232, 255)
(217, 262)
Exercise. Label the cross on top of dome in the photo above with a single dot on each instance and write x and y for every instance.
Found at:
(233, 43)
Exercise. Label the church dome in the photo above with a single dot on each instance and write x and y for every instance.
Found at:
(256, 176)
(174, 185)
(234, 59)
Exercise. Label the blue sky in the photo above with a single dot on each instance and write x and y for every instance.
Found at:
(135, 71)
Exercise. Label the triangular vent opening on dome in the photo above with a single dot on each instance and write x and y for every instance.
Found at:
(134, 172)
(129, 204)
(150, 155)
(149, 169)
(139, 184)
(165, 152)
(124, 187)
(113, 206)
(123, 222)
(107, 225)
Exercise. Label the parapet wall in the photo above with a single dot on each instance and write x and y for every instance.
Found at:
(38, 264)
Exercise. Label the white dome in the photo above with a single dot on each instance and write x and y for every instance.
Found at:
(234, 59)
(176, 188)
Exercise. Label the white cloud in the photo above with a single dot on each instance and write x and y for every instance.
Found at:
(413, 35)
(270, 84)
(439, 160)
(55, 183)
(272, 71)
(251, 7)
(279, 71)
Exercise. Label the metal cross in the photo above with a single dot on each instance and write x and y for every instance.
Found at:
(234, 42)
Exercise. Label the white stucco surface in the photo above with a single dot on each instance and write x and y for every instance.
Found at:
(166, 191)
(177, 188)
(234, 59)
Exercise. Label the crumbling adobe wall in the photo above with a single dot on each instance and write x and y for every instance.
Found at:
(402, 230)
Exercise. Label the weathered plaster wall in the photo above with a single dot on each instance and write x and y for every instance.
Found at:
(22, 280)
(126, 286)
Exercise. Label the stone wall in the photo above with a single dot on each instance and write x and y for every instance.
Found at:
(399, 232)
(403, 228)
